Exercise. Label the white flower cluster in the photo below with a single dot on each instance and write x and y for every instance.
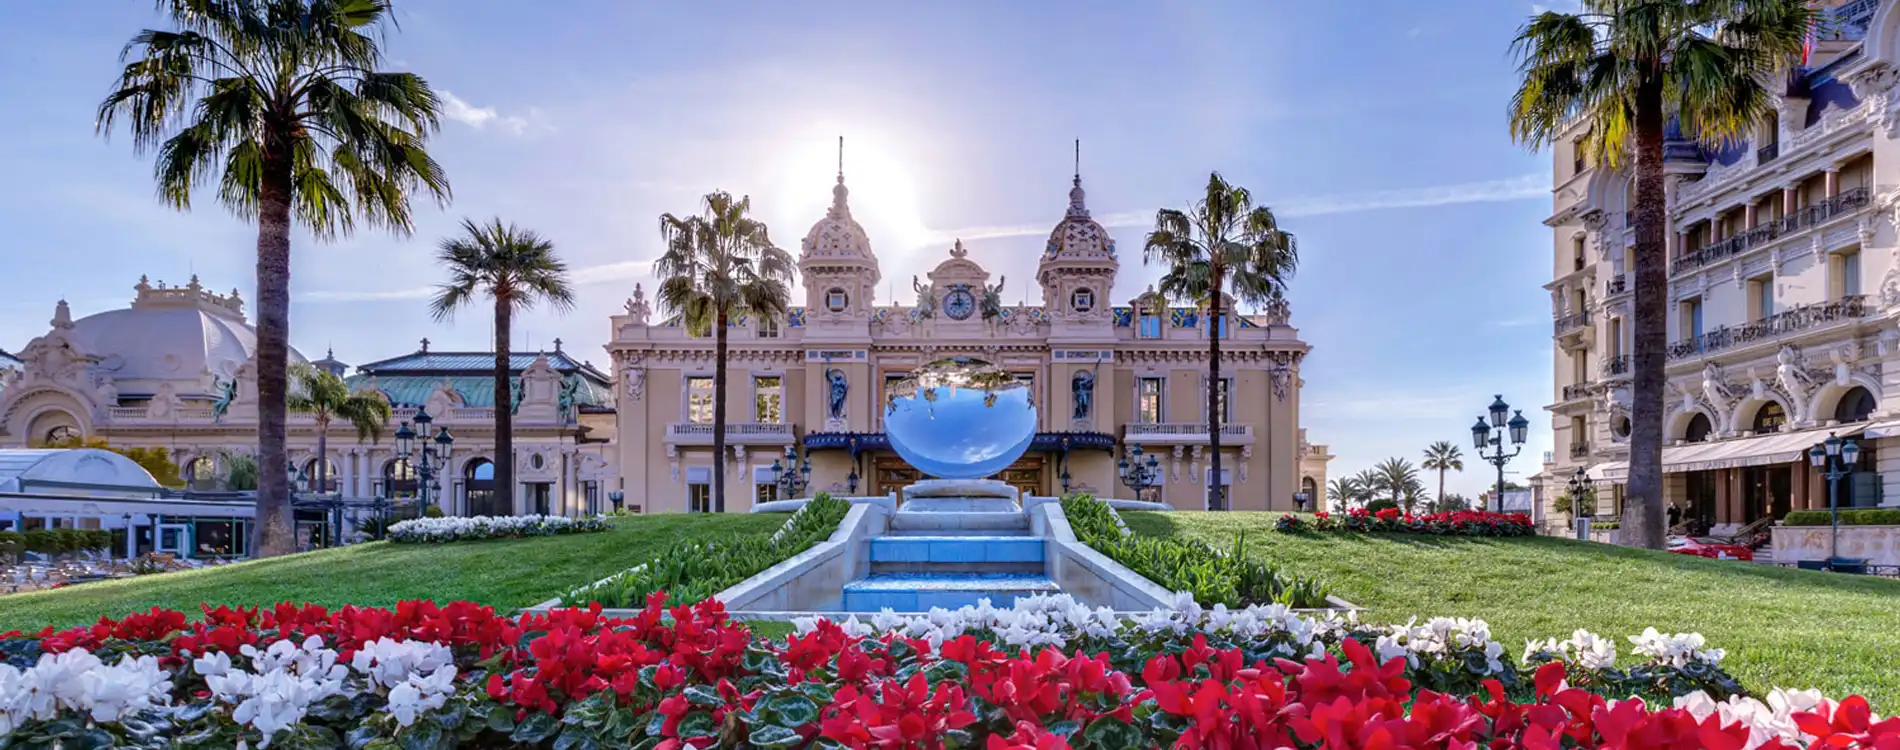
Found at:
(1676, 649)
(1583, 648)
(287, 677)
(419, 675)
(80, 682)
(462, 529)
(1438, 639)
(1766, 721)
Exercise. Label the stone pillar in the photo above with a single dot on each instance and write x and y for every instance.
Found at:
(1724, 493)
(1888, 464)
(1748, 216)
(1832, 178)
(1801, 485)
(1789, 200)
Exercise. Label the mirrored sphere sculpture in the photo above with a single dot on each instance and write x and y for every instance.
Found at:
(960, 419)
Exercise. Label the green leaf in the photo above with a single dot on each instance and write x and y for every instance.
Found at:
(656, 724)
(360, 737)
(1066, 727)
(96, 739)
(773, 735)
(816, 691)
(698, 724)
(704, 695)
(538, 727)
(576, 740)
(793, 710)
(423, 735)
(1109, 732)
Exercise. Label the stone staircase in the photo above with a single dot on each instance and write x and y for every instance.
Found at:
(951, 552)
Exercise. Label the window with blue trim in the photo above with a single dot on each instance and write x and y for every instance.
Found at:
(1150, 326)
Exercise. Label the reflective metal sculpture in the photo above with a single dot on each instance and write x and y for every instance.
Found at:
(960, 419)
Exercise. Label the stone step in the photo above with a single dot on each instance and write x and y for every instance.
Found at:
(982, 521)
(962, 548)
(919, 592)
(957, 533)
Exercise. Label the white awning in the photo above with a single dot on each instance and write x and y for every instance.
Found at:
(1889, 428)
(1757, 450)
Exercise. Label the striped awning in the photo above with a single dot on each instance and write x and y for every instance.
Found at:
(1735, 453)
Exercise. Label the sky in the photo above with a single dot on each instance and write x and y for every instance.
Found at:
(1376, 130)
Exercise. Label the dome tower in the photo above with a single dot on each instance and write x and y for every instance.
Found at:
(1078, 265)
(835, 261)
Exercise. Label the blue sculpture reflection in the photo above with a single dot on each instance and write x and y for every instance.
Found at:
(960, 419)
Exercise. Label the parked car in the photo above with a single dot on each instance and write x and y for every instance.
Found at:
(1710, 547)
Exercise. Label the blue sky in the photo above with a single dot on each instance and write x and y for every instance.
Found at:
(1376, 129)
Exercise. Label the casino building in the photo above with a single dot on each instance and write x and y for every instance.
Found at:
(1107, 378)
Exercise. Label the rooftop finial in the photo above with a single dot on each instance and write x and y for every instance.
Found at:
(839, 192)
(425, 345)
(841, 159)
(1078, 162)
(1078, 206)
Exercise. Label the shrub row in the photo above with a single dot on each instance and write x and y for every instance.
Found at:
(1855, 517)
(53, 541)
(465, 529)
(1392, 520)
(695, 570)
(1188, 565)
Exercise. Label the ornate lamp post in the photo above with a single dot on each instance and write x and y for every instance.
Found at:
(431, 456)
(791, 477)
(1137, 474)
(1836, 458)
(851, 481)
(1492, 434)
(1580, 483)
(1300, 499)
(617, 498)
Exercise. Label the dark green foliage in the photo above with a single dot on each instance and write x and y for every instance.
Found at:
(691, 571)
(1188, 565)
(1856, 517)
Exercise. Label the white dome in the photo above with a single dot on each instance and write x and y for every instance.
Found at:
(1079, 237)
(178, 334)
(837, 236)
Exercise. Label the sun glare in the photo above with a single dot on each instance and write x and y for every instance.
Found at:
(883, 193)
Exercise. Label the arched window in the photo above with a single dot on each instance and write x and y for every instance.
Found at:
(1699, 429)
(1855, 405)
(330, 481)
(399, 479)
(1769, 418)
(201, 473)
(478, 481)
(63, 435)
(1310, 490)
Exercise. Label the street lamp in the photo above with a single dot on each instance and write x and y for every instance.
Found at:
(1580, 483)
(790, 476)
(616, 497)
(1492, 435)
(432, 456)
(1837, 459)
(1300, 499)
(851, 481)
(1065, 479)
(1138, 475)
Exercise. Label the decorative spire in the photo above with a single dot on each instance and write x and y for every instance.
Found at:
(425, 345)
(1077, 207)
(62, 316)
(839, 192)
(557, 344)
(958, 251)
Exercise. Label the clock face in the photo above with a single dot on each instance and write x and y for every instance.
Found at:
(959, 303)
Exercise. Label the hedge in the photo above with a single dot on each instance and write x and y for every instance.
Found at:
(1855, 517)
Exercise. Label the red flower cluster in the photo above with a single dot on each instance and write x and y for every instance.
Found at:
(691, 679)
(1392, 520)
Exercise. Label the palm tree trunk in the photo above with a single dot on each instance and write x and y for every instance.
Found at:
(1643, 508)
(274, 530)
(323, 452)
(1441, 490)
(502, 498)
(1217, 493)
(719, 412)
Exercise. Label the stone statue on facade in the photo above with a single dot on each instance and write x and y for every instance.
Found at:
(637, 307)
(838, 386)
(1083, 386)
(1714, 389)
(926, 298)
(227, 393)
(1792, 376)
(992, 302)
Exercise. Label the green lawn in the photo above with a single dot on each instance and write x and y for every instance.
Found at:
(508, 574)
(1781, 627)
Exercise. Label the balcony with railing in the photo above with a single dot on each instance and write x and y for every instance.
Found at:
(1775, 326)
(1619, 285)
(1767, 153)
(1616, 366)
(1848, 202)
(1184, 433)
(1579, 449)
(1571, 323)
(1578, 391)
(737, 433)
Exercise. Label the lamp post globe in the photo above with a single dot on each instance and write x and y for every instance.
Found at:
(1481, 434)
(1499, 411)
(1520, 428)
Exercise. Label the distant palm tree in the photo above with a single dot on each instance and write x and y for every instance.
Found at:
(1369, 483)
(1441, 457)
(282, 100)
(1345, 491)
(720, 265)
(1617, 73)
(1223, 240)
(1400, 479)
(517, 269)
(326, 397)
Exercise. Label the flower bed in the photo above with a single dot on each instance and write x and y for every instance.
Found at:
(1392, 520)
(1186, 565)
(460, 675)
(460, 529)
(692, 571)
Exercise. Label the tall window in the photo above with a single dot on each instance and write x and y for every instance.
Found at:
(1849, 263)
(1761, 297)
(768, 395)
(1577, 161)
(1855, 406)
(1148, 396)
(768, 327)
(699, 498)
(399, 479)
(1226, 409)
(764, 485)
(1576, 252)
(699, 400)
(1691, 323)
(1150, 326)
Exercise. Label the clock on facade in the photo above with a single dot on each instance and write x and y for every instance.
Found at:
(959, 303)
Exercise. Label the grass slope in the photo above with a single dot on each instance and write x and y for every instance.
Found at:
(1786, 628)
(508, 574)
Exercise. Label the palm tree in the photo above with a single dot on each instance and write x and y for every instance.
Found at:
(283, 102)
(1344, 491)
(1368, 484)
(1619, 72)
(1223, 240)
(1396, 476)
(1443, 456)
(326, 397)
(517, 269)
(721, 265)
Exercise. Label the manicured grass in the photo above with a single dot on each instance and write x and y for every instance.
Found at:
(508, 574)
(1785, 628)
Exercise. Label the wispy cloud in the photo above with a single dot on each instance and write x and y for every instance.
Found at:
(1488, 191)
(420, 292)
(480, 118)
(605, 273)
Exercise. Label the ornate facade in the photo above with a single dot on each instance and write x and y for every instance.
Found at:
(1106, 378)
(1784, 292)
